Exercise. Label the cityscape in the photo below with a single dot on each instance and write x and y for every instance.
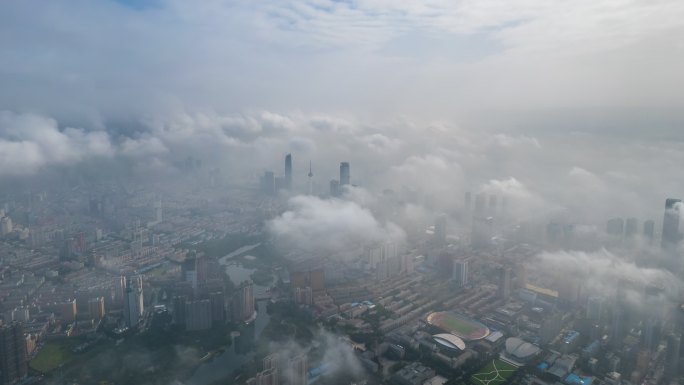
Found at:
(325, 192)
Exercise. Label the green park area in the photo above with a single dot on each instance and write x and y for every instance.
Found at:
(496, 373)
(53, 355)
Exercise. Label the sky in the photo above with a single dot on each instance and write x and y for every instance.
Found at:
(570, 107)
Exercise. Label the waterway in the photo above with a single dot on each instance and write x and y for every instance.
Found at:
(241, 351)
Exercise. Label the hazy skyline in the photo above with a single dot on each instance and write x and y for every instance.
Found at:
(445, 96)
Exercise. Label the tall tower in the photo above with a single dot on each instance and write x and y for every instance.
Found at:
(134, 307)
(649, 231)
(345, 175)
(671, 223)
(298, 368)
(310, 179)
(288, 171)
(13, 358)
(505, 283)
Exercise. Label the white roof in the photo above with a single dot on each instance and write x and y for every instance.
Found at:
(449, 340)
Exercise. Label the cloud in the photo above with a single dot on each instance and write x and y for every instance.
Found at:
(29, 142)
(334, 225)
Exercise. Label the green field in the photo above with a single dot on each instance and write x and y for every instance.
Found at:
(496, 373)
(52, 355)
(460, 326)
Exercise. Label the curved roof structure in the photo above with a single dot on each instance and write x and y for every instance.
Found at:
(459, 325)
(520, 349)
(449, 340)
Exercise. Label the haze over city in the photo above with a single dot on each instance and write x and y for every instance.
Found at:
(341, 192)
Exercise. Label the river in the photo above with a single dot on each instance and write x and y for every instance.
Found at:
(242, 350)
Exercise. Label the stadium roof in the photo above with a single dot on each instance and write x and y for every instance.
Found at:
(520, 349)
(449, 340)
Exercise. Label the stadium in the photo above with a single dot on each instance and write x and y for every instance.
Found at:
(467, 329)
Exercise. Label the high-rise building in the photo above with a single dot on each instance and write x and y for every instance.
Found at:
(218, 307)
(270, 361)
(440, 229)
(345, 175)
(460, 273)
(96, 308)
(288, 171)
(267, 377)
(297, 370)
(189, 270)
(303, 295)
(5, 226)
(674, 344)
(134, 306)
(334, 188)
(198, 315)
(671, 223)
(649, 231)
(158, 211)
(631, 227)
(310, 179)
(312, 277)
(505, 282)
(13, 357)
(242, 304)
(179, 309)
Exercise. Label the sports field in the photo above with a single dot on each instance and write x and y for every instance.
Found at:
(52, 355)
(496, 373)
(458, 325)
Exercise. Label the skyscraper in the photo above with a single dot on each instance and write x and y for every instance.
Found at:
(242, 304)
(13, 357)
(134, 307)
(631, 227)
(674, 344)
(505, 282)
(671, 223)
(297, 370)
(649, 231)
(345, 175)
(288, 171)
(460, 273)
(467, 201)
(334, 188)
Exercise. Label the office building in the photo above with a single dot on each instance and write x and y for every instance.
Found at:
(297, 370)
(198, 315)
(649, 231)
(313, 278)
(134, 306)
(671, 235)
(334, 188)
(96, 308)
(460, 273)
(505, 282)
(288, 171)
(345, 175)
(242, 303)
(13, 357)
(674, 344)
(267, 377)
(179, 309)
(218, 307)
